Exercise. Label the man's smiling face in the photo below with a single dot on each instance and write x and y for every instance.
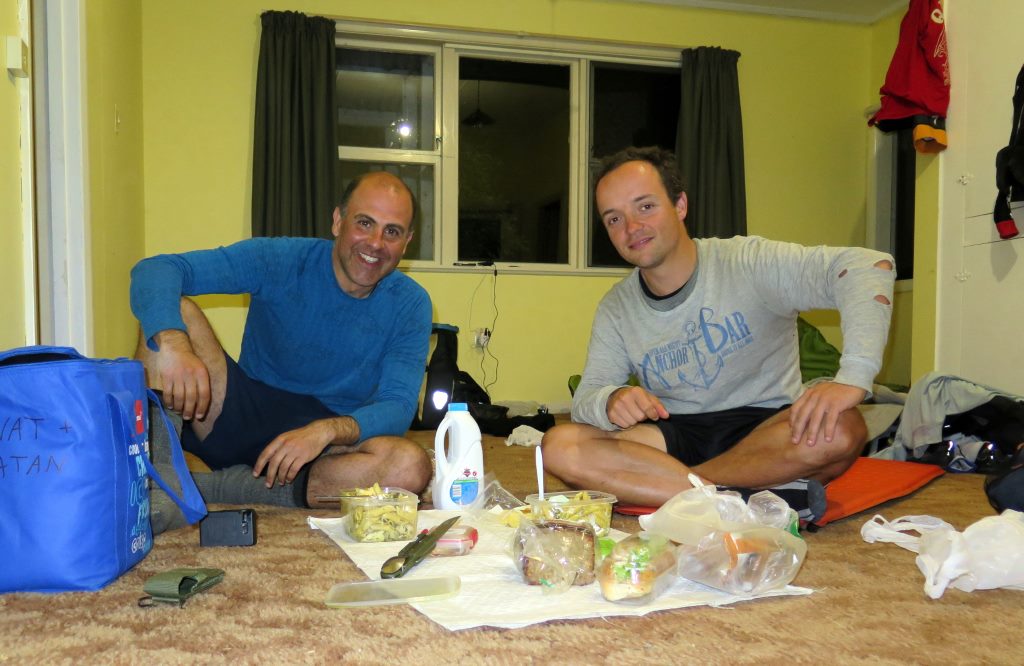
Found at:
(371, 234)
(643, 224)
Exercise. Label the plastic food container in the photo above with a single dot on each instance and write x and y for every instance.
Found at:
(459, 540)
(387, 516)
(639, 568)
(590, 507)
(392, 591)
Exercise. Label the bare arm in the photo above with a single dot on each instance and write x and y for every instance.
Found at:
(286, 455)
(630, 405)
(820, 406)
(184, 378)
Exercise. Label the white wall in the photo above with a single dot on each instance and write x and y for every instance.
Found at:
(980, 282)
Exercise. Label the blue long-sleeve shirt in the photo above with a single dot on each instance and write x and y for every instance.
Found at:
(362, 358)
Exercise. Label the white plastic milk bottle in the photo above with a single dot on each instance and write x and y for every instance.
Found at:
(459, 475)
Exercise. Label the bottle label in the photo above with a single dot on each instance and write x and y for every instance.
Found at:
(464, 491)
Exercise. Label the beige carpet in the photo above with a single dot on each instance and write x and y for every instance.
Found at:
(868, 607)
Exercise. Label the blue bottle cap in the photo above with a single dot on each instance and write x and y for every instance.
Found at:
(458, 407)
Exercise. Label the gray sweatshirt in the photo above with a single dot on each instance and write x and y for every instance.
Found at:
(732, 341)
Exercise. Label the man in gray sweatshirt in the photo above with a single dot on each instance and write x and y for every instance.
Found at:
(708, 327)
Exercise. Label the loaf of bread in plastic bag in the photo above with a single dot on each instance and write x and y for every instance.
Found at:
(554, 553)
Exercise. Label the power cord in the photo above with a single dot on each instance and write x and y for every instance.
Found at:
(487, 348)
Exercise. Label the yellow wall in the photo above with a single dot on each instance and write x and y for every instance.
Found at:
(116, 211)
(12, 305)
(897, 360)
(803, 89)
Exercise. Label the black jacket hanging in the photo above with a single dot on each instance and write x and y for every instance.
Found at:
(1010, 168)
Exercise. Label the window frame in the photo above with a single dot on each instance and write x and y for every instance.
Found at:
(448, 45)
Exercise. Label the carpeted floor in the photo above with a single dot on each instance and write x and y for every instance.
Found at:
(868, 607)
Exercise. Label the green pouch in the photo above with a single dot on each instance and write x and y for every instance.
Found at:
(178, 585)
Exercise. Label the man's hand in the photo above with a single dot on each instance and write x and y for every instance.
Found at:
(630, 405)
(821, 406)
(285, 456)
(184, 378)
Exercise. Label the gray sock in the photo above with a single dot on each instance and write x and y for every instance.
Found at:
(231, 485)
(237, 485)
(164, 514)
(159, 439)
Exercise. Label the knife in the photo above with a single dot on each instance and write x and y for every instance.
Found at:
(414, 551)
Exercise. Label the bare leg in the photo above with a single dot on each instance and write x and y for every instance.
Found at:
(389, 461)
(767, 456)
(632, 464)
(208, 348)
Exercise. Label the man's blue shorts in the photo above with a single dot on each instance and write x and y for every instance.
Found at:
(253, 415)
(696, 438)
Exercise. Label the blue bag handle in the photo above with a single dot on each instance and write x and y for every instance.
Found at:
(190, 501)
(35, 350)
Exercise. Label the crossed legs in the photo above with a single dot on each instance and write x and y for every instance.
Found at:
(633, 465)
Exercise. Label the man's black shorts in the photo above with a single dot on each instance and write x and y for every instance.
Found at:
(253, 415)
(696, 438)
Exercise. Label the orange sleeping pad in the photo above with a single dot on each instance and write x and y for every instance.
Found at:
(867, 483)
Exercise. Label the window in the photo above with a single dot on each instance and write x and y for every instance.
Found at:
(891, 191)
(632, 106)
(499, 137)
(513, 161)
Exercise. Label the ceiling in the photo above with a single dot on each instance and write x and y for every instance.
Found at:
(846, 11)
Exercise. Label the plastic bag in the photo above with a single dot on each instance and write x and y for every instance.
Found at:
(746, 562)
(744, 548)
(555, 554)
(496, 497)
(638, 568)
(694, 513)
(987, 555)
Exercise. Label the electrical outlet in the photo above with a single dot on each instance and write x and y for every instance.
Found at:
(481, 337)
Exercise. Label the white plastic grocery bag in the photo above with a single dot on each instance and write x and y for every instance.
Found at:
(987, 555)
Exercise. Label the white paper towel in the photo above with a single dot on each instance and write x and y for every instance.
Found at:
(493, 592)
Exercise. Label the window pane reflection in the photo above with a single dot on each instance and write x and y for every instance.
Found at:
(513, 161)
(385, 99)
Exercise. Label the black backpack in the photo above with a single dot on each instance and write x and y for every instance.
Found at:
(1006, 491)
(1010, 168)
(444, 376)
(442, 371)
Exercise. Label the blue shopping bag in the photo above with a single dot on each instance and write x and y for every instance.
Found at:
(74, 497)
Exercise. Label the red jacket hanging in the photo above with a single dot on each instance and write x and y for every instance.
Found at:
(916, 89)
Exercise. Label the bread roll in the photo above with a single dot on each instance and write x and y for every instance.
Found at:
(639, 567)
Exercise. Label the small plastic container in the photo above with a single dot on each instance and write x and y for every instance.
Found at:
(389, 516)
(459, 540)
(591, 507)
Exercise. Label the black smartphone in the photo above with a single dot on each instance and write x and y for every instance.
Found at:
(228, 528)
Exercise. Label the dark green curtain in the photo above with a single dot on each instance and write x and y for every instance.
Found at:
(709, 143)
(295, 153)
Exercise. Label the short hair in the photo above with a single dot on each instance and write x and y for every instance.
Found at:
(347, 194)
(664, 162)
